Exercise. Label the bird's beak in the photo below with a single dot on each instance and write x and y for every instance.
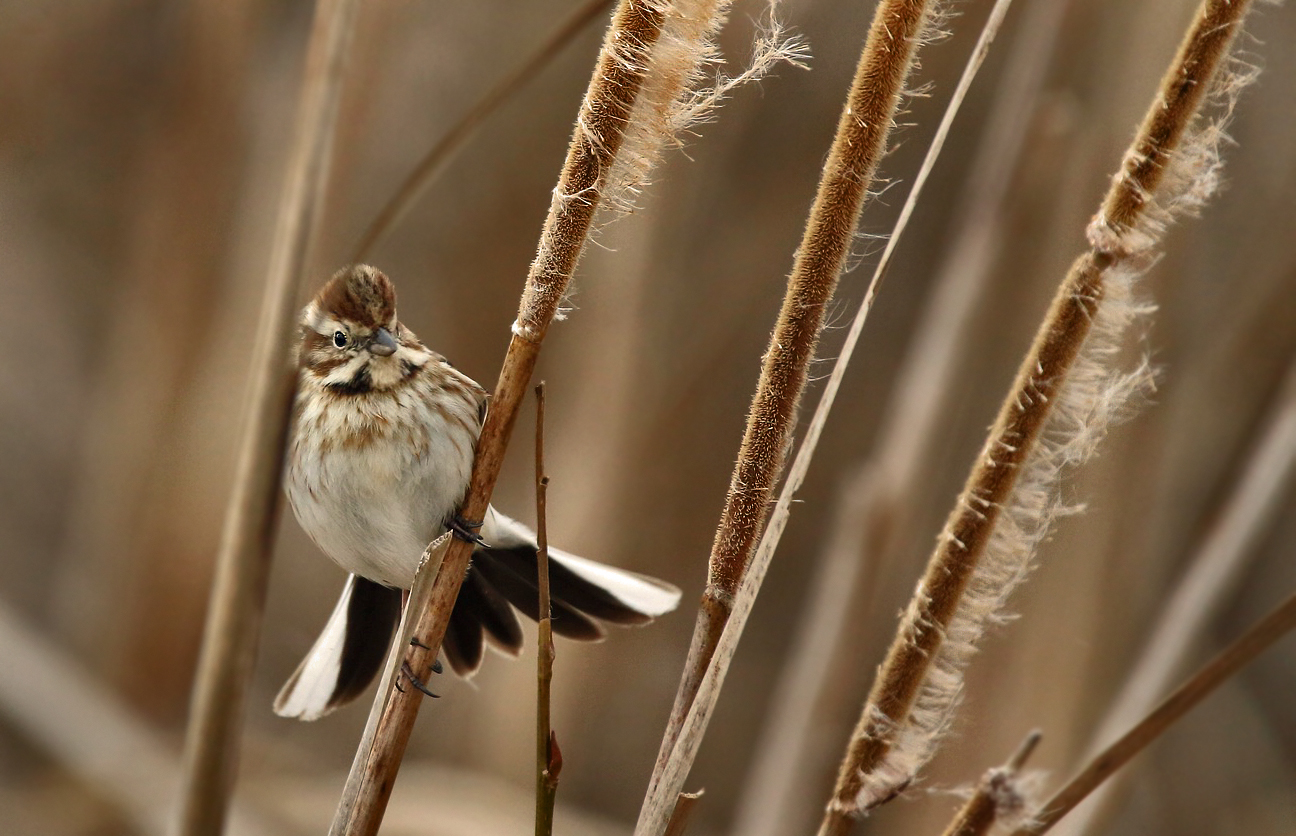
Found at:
(382, 343)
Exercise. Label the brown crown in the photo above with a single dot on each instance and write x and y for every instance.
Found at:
(360, 294)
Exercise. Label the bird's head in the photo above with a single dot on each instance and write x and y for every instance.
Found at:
(351, 339)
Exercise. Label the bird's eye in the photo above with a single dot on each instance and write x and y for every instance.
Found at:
(339, 339)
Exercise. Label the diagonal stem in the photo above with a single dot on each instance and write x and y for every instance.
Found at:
(600, 129)
(1186, 697)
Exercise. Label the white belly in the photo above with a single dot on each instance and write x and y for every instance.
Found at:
(373, 505)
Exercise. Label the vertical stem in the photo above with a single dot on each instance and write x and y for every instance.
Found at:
(546, 743)
(243, 561)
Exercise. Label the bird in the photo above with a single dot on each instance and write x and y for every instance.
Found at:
(384, 434)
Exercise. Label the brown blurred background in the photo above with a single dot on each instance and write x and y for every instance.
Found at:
(141, 156)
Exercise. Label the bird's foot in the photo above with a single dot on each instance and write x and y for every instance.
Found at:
(436, 663)
(416, 682)
(466, 530)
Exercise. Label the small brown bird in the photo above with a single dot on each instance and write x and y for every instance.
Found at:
(377, 469)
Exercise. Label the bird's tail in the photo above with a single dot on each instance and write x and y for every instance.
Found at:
(503, 576)
(348, 653)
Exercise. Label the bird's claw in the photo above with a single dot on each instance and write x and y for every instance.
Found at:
(466, 530)
(436, 663)
(415, 681)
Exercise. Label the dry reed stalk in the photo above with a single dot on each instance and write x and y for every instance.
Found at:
(242, 564)
(1219, 670)
(419, 596)
(997, 795)
(1044, 426)
(548, 755)
(683, 811)
(866, 121)
(650, 55)
(428, 169)
(782, 777)
(1210, 580)
(674, 770)
(875, 508)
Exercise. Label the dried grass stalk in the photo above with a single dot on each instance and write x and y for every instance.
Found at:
(1200, 685)
(897, 30)
(243, 562)
(418, 181)
(998, 795)
(874, 509)
(1067, 392)
(674, 769)
(1210, 581)
(649, 57)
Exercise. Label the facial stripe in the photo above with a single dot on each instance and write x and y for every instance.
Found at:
(358, 384)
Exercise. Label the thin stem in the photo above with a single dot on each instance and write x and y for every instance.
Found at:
(547, 767)
(418, 181)
(600, 129)
(860, 141)
(1209, 582)
(995, 794)
(238, 594)
(1236, 656)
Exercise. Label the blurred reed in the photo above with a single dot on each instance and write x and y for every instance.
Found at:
(143, 154)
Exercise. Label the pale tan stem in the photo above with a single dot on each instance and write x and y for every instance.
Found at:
(860, 141)
(597, 138)
(674, 768)
(1209, 582)
(418, 181)
(1236, 656)
(79, 722)
(995, 795)
(243, 561)
(1022, 416)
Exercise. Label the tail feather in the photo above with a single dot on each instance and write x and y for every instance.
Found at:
(348, 653)
(602, 591)
(569, 586)
(503, 576)
(480, 612)
(464, 643)
(500, 568)
(583, 594)
(493, 611)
